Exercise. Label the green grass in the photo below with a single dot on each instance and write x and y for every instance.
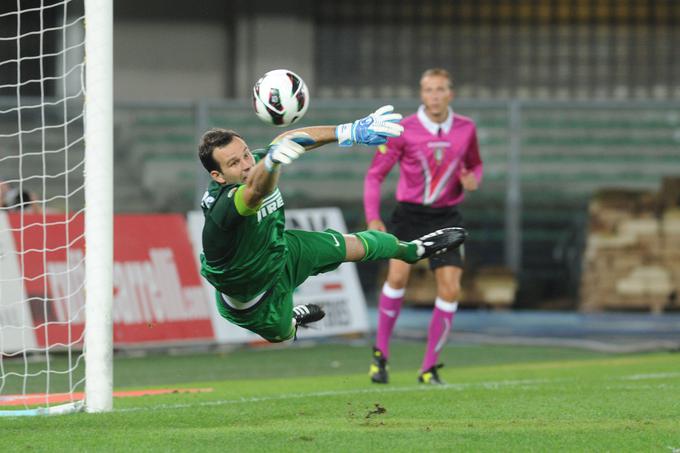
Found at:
(318, 398)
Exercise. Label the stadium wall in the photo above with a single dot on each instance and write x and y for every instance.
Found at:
(207, 52)
(188, 60)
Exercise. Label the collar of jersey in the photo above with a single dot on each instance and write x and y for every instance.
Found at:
(433, 127)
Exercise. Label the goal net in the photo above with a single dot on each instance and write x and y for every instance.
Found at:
(55, 223)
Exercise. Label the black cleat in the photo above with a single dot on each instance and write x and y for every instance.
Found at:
(431, 376)
(306, 314)
(440, 241)
(378, 370)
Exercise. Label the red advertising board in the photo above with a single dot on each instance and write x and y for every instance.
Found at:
(158, 294)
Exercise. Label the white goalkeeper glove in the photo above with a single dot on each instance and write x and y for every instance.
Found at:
(286, 150)
(374, 129)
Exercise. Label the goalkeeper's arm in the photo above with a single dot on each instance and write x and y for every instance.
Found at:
(264, 176)
(374, 129)
(371, 130)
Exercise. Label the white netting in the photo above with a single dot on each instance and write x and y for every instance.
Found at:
(41, 202)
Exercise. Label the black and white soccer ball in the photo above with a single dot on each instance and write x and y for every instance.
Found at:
(280, 98)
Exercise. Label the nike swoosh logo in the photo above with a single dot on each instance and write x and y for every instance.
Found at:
(337, 244)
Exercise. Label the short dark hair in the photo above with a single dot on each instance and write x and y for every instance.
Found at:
(214, 138)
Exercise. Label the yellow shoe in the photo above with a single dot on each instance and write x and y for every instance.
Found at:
(378, 369)
(431, 376)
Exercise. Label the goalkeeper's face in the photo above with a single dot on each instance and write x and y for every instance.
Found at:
(436, 95)
(235, 161)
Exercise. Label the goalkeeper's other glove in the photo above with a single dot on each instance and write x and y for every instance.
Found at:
(285, 151)
(372, 130)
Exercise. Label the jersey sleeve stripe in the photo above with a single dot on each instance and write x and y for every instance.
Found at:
(241, 206)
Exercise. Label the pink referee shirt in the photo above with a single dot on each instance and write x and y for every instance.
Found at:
(431, 156)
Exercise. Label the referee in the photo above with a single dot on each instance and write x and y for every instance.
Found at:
(439, 160)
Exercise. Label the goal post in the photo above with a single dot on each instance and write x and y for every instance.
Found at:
(99, 204)
(56, 207)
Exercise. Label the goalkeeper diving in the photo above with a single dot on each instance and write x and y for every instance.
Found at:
(249, 257)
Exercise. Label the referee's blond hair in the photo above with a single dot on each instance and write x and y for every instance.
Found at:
(440, 72)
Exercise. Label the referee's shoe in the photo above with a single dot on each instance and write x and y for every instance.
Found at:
(378, 370)
(430, 376)
(440, 241)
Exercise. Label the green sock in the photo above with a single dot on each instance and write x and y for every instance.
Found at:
(380, 246)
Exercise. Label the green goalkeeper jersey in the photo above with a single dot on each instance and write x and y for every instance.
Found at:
(243, 248)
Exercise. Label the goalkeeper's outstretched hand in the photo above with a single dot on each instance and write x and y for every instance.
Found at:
(285, 151)
(375, 129)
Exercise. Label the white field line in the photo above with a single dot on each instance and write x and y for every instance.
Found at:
(491, 385)
(642, 387)
(372, 391)
(639, 377)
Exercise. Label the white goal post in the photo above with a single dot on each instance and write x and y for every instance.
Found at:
(99, 204)
(56, 206)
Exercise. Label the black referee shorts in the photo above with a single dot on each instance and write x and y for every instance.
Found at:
(410, 221)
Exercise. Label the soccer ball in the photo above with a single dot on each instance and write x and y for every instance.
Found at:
(280, 97)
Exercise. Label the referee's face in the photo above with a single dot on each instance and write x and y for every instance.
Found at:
(436, 95)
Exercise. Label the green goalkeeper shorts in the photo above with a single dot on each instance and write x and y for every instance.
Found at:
(308, 253)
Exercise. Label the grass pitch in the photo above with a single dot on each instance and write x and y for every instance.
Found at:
(319, 398)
